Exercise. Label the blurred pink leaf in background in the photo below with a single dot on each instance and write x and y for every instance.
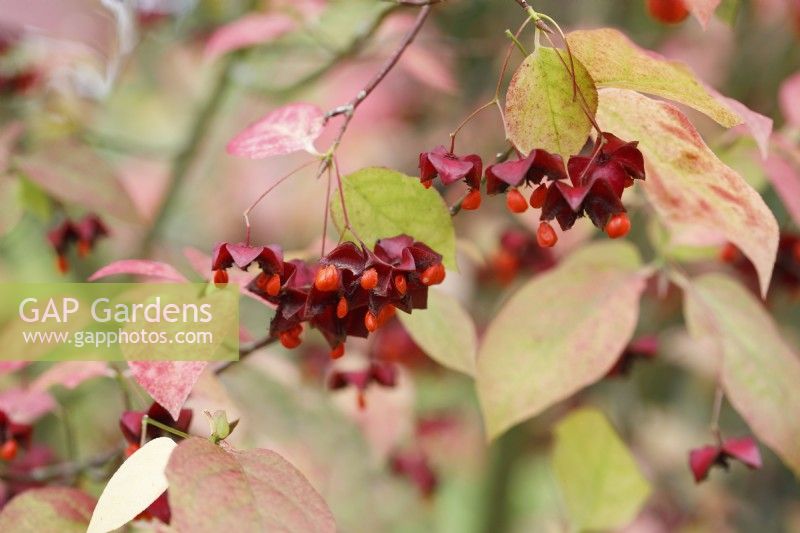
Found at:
(288, 129)
(789, 99)
(247, 31)
(168, 382)
(139, 267)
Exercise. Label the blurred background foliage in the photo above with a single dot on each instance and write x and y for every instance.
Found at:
(168, 117)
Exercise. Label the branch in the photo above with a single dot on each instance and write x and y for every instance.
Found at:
(348, 109)
(244, 351)
(63, 471)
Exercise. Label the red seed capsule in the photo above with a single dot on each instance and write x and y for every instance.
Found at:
(327, 279)
(400, 284)
(472, 200)
(9, 450)
(385, 314)
(796, 251)
(729, 253)
(538, 195)
(668, 11)
(291, 337)
(220, 278)
(427, 183)
(62, 264)
(370, 322)
(84, 248)
(338, 351)
(433, 275)
(342, 308)
(369, 279)
(515, 202)
(131, 449)
(273, 285)
(546, 236)
(361, 400)
(618, 226)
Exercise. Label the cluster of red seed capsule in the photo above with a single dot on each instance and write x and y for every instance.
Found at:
(84, 233)
(351, 291)
(12, 436)
(589, 185)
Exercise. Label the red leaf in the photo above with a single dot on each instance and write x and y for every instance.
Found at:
(789, 100)
(168, 382)
(285, 130)
(140, 267)
(48, 509)
(257, 28)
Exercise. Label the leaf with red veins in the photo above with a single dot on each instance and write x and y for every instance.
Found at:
(250, 30)
(140, 267)
(702, 10)
(687, 184)
(168, 382)
(211, 488)
(288, 129)
(789, 100)
(48, 509)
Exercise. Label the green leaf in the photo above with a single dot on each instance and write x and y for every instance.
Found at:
(211, 489)
(561, 332)
(599, 478)
(383, 203)
(759, 370)
(728, 11)
(694, 193)
(11, 208)
(445, 331)
(614, 61)
(540, 109)
(61, 509)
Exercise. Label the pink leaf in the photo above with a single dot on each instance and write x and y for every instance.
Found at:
(257, 28)
(789, 99)
(783, 171)
(26, 405)
(285, 130)
(70, 374)
(7, 367)
(168, 382)
(258, 490)
(140, 267)
(702, 10)
(760, 127)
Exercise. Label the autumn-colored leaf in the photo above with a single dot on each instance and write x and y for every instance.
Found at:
(70, 374)
(602, 485)
(782, 168)
(140, 267)
(77, 175)
(758, 370)
(26, 405)
(211, 490)
(288, 129)
(383, 203)
(445, 331)
(168, 382)
(137, 483)
(61, 509)
(686, 183)
(614, 61)
(559, 333)
(789, 99)
(250, 30)
(541, 111)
